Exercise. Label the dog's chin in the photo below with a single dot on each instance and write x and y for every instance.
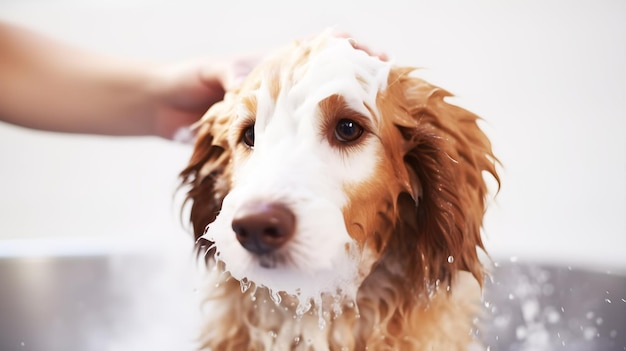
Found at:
(272, 260)
(282, 275)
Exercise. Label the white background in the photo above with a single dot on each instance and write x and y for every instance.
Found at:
(548, 77)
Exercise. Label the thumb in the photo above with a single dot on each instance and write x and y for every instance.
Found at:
(235, 70)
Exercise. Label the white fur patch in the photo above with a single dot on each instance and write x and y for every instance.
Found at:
(293, 164)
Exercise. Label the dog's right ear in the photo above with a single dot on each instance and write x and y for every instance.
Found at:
(207, 176)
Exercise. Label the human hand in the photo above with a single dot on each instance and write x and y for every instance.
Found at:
(360, 46)
(186, 91)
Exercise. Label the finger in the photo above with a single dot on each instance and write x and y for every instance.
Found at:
(240, 69)
(359, 46)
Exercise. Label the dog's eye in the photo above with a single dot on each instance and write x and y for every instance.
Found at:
(348, 130)
(248, 136)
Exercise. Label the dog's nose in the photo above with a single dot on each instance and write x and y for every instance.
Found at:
(263, 227)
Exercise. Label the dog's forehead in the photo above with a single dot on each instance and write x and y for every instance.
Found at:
(332, 65)
(308, 72)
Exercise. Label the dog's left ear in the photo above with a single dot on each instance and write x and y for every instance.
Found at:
(207, 174)
(445, 155)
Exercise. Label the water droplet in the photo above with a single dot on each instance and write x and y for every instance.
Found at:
(450, 259)
(273, 334)
(589, 333)
(607, 300)
(552, 316)
(245, 284)
(296, 340)
(599, 321)
(502, 321)
(589, 315)
(337, 310)
(511, 296)
(321, 322)
(337, 306)
(513, 259)
(357, 312)
(530, 310)
(22, 344)
(275, 296)
(303, 308)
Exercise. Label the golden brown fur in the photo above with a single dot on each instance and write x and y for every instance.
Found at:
(420, 218)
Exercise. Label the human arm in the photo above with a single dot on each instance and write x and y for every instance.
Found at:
(46, 84)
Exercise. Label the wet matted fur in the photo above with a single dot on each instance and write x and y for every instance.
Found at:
(387, 233)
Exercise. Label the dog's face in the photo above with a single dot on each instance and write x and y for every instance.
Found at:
(327, 161)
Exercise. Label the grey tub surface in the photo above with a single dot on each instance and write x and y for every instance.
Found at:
(146, 302)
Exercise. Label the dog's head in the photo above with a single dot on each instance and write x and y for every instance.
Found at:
(327, 162)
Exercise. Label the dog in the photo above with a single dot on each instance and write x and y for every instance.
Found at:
(338, 202)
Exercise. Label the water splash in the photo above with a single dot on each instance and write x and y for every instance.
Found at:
(321, 321)
(336, 307)
(245, 284)
(303, 307)
(275, 296)
(354, 306)
(253, 293)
